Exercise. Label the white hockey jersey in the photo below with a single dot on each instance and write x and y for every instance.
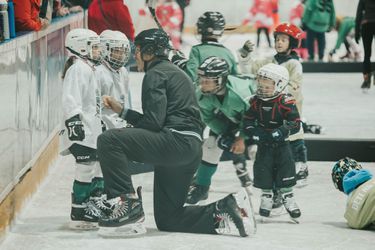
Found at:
(115, 84)
(81, 95)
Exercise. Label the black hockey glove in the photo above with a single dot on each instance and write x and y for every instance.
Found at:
(225, 142)
(179, 59)
(75, 128)
(257, 134)
(279, 134)
(246, 49)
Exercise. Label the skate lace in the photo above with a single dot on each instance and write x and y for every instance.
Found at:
(104, 204)
(120, 209)
(91, 209)
(225, 223)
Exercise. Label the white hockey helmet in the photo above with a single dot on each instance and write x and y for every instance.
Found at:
(81, 43)
(116, 48)
(278, 74)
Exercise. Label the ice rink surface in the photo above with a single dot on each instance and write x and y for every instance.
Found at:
(334, 101)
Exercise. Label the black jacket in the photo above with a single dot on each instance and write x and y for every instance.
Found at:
(365, 13)
(168, 100)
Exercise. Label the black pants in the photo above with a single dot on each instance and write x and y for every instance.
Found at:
(310, 39)
(274, 167)
(266, 32)
(368, 32)
(175, 158)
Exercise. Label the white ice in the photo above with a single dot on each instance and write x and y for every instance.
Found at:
(332, 100)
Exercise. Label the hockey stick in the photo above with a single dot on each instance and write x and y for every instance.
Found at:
(249, 194)
(152, 11)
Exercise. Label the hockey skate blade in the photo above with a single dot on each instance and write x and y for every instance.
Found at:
(244, 202)
(83, 225)
(126, 231)
(278, 219)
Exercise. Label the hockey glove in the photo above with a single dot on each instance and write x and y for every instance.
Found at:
(75, 128)
(246, 49)
(257, 134)
(179, 59)
(225, 142)
(279, 135)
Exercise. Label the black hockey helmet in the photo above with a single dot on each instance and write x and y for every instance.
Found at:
(153, 42)
(340, 169)
(215, 68)
(211, 23)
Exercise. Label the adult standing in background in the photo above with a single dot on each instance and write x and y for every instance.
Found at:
(183, 4)
(365, 27)
(319, 17)
(110, 14)
(27, 15)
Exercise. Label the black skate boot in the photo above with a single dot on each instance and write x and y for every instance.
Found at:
(125, 211)
(85, 215)
(266, 202)
(302, 172)
(366, 82)
(197, 194)
(232, 219)
(291, 205)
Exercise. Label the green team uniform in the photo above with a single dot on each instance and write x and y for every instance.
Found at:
(233, 106)
(347, 24)
(204, 50)
(360, 209)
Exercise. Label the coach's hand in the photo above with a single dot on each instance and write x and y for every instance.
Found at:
(111, 103)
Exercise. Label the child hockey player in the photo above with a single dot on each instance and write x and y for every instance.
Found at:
(349, 177)
(286, 39)
(112, 75)
(211, 27)
(271, 118)
(81, 116)
(222, 100)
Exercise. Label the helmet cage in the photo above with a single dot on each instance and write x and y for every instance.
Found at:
(280, 83)
(110, 47)
(220, 83)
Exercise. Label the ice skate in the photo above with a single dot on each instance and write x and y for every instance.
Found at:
(84, 216)
(106, 206)
(126, 218)
(366, 83)
(301, 174)
(243, 175)
(234, 216)
(291, 205)
(266, 202)
(197, 195)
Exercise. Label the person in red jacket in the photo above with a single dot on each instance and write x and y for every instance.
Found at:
(27, 15)
(112, 15)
